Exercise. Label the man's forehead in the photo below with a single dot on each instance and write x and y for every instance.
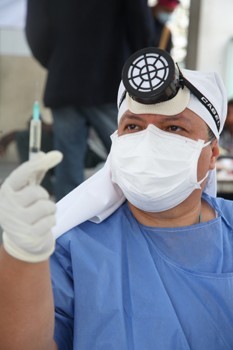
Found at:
(185, 116)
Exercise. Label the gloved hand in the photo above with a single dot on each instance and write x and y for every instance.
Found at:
(26, 212)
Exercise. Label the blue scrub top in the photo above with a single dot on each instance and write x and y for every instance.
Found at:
(120, 285)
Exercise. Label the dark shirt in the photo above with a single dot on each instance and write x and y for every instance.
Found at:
(84, 44)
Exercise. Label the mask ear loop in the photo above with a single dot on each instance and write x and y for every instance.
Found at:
(202, 98)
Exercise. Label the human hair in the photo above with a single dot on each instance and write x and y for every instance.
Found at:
(230, 102)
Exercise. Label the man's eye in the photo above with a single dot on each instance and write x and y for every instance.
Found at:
(174, 128)
(131, 128)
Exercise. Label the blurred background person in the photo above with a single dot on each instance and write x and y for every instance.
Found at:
(83, 45)
(226, 141)
(162, 12)
(225, 160)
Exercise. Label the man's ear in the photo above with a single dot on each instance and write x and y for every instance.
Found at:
(215, 153)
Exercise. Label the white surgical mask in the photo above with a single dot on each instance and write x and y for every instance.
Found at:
(164, 17)
(155, 170)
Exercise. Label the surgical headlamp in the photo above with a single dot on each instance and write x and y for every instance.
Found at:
(150, 76)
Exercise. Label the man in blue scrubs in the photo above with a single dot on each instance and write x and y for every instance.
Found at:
(152, 268)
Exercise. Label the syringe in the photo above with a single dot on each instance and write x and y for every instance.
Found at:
(35, 131)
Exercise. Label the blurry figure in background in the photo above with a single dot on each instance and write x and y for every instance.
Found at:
(162, 12)
(225, 161)
(83, 45)
(21, 138)
(226, 141)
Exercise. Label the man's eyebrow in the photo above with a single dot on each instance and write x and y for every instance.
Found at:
(165, 118)
(178, 117)
(132, 117)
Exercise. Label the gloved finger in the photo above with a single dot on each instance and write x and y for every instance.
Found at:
(23, 197)
(32, 224)
(24, 218)
(42, 227)
(37, 211)
(32, 232)
(40, 175)
(33, 170)
(29, 195)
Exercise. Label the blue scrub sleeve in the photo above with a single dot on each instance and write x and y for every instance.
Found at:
(62, 283)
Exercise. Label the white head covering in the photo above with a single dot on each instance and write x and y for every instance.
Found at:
(98, 197)
(208, 83)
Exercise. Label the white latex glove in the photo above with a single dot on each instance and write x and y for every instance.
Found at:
(26, 212)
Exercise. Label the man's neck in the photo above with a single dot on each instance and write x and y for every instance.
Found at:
(188, 213)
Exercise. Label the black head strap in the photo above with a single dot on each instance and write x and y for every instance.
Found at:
(201, 98)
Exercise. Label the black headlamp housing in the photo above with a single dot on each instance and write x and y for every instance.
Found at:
(150, 76)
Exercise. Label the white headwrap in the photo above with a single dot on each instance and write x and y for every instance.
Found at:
(98, 197)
